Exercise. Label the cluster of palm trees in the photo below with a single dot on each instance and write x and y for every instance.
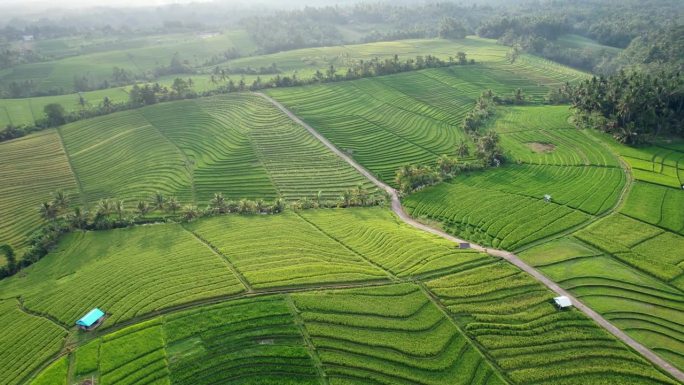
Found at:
(78, 217)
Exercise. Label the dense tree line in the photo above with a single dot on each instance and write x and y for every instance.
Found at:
(632, 106)
(61, 216)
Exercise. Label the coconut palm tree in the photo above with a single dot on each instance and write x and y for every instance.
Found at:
(104, 207)
(159, 201)
(218, 203)
(78, 218)
(120, 208)
(143, 208)
(60, 200)
(190, 212)
(173, 205)
(47, 211)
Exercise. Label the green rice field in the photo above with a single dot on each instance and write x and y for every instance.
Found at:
(513, 318)
(238, 145)
(648, 308)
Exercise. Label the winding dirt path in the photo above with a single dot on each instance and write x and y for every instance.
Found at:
(508, 256)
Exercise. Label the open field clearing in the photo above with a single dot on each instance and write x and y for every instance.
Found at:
(30, 169)
(128, 272)
(389, 335)
(494, 207)
(31, 341)
(512, 317)
(97, 67)
(647, 308)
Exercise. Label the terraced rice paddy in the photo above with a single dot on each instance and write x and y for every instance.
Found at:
(648, 309)
(126, 272)
(32, 340)
(327, 246)
(59, 75)
(512, 317)
(544, 135)
(30, 169)
(389, 335)
(239, 145)
(389, 121)
(495, 207)
(658, 205)
(662, 163)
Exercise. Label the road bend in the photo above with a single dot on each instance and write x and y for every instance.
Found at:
(508, 256)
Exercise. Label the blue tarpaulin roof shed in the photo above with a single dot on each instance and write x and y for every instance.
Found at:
(89, 319)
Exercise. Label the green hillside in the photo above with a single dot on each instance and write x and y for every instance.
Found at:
(238, 145)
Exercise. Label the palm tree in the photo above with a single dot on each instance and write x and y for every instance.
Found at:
(279, 205)
(319, 198)
(190, 212)
(120, 208)
(347, 197)
(78, 218)
(260, 205)
(143, 208)
(218, 203)
(104, 207)
(462, 149)
(173, 205)
(60, 200)
(159, 201)
(47, 211)
(361, 195)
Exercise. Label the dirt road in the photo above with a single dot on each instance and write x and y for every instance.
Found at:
(510, 257)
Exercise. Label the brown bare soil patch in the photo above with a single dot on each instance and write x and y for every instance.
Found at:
(541, 148)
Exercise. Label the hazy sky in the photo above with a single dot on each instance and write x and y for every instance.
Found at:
(89, 3)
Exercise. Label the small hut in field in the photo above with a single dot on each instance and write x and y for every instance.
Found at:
(562, 302)
(91, 320)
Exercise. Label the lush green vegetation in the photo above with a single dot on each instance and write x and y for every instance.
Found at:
(30, 169)
(548, 157)
(239, 145)
(96, 70)
(512, 317)
(389, 335)
(647, 308)
(127, 272)
(55, 374)
(27, 340)
(390, 121)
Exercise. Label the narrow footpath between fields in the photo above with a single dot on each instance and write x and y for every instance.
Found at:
(508, 256)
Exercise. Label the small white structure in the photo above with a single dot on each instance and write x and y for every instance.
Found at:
(27, 37)
(547, 198)
(563, 302)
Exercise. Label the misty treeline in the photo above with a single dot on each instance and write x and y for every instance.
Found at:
(533, 26)
(650, 32)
